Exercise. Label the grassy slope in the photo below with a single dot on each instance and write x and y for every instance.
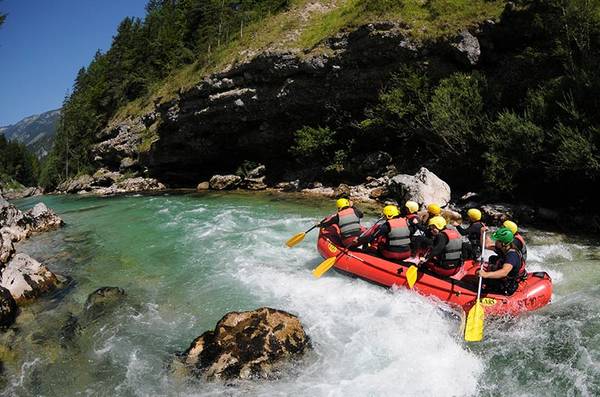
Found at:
(308, 22)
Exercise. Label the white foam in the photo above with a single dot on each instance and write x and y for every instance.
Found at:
(368, 340)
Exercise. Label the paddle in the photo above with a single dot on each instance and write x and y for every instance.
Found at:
(411, 275)
(476, 316)
(329, 262)
(299, 237)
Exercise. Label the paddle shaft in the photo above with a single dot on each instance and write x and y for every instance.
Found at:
(481, 266)
(314, 226)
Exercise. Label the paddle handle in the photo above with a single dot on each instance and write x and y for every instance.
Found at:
(481, 266)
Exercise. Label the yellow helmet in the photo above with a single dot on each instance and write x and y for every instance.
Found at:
(342, 203)
(434, 209)
(437, 221)
(390, 211)
(474, 214)
(412, 207)
(510, 225)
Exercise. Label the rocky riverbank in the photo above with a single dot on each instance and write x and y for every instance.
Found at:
(22, 278)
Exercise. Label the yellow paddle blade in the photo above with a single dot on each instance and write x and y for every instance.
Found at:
(411, 276)
(324, 266)
(474, 325)
(295, 240)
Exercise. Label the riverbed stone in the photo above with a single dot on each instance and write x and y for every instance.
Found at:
(254, 183)
(139, 184)
(26, 278)
(203, 186)
(101, 301)
(8, 308)
(246, 345)
(224, 182)
(41, 218)
(291, 186)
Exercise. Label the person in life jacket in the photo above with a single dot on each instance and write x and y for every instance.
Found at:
(347, 219)
(445, 257)
(519, 241)
(418, 230)
(472, 248)
(395, 235)
(507, 268)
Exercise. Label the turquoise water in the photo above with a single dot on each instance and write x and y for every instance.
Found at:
(185, 260)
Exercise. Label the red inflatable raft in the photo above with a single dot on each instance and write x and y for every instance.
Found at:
(459, 290)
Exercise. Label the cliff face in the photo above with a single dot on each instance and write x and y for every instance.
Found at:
(251, 111)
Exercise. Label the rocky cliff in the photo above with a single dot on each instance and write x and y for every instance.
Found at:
(250, 111)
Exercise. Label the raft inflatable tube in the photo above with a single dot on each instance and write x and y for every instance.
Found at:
(459, 290)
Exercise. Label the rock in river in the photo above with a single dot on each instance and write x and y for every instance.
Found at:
(246, 345)
(26, 278)
(41, 218)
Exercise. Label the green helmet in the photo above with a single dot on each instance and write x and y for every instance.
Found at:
(504, 235)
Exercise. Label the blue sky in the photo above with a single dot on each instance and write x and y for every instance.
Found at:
(43, 43)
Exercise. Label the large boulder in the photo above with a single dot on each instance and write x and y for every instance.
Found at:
(224, 182)
(8, 308)
(253, 344)
(26, 278)
(41, 218)
(424, 187)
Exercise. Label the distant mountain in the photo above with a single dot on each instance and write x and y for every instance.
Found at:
(37, 132)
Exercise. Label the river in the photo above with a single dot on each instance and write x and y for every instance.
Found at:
(185, 260)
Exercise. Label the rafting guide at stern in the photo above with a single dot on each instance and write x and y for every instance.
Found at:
(396, 252)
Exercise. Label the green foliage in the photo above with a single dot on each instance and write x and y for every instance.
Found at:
(313, 143)
(456, 111)
(16, 162)
(513, 144)
(527, 128)
(400, 118)
(427, 19)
